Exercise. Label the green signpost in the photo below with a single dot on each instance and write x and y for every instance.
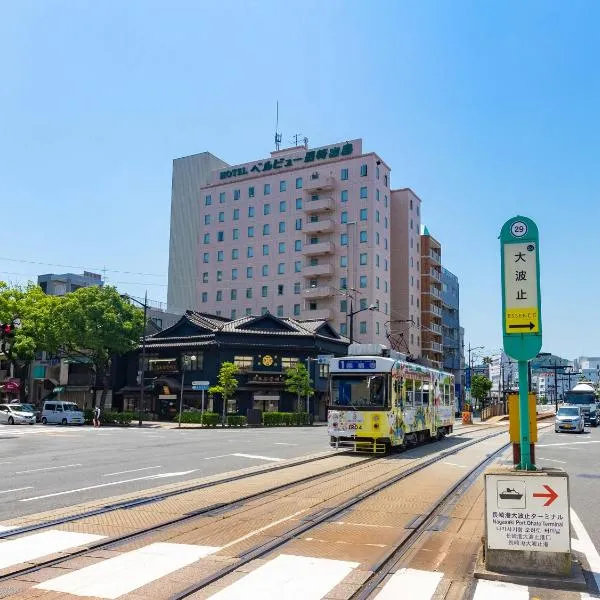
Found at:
(521, 310)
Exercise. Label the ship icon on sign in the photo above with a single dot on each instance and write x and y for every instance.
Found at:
(510, 494)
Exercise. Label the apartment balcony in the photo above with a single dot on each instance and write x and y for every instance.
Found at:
(435, 328)
(434, 274)
(320, 291)
(433, 347)
(324, 270)
(435, 292)
(435, 257)
(319, 183)
(325, 314)
(324, 226)
(318, 206)
(319, 248)
(433, 309)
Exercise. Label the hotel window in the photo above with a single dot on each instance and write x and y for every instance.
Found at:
(385, 200)
(385, 286)
(297, 266)
(266, 229)
(207, 200)
(219, 295)
(343, 283)
(377, 260)
(281, 247)
(250, 252)
(385, 264)
(265, 270)
(220, 236)
(234, 274)
(267, 189)
(296, 287)
(266, 209)
(235, 254)
(298, 224)
(377, 172)
(376, 216)
(314, 218)
(344, 196)
(343, 328)
(363, 281)
(205, 257)
(411, 223)
(385, 244)
(314, 261)
(264, 291)
(204, 296)
(221, 217)
(377, 238)
(281, 226)
(299, 203)
(377, 327)
(282, 186)
(386, 312)
(363, 214)
(207, 238)
(280, 310)
(363, 236)
(385, 178)
(363, 192)
(207, 219)
(343, 261)
(281, 268)
(312, 306)
(344, 174)
(251, 231)
(248, 312)
(236, 194)
(298, 183)
(344, 217)
(362, 327)
(280, 289)
(282, 206)
(296, 310)
(205, 277)
(385, 223)
(377, 282)
(363, 258)
(343, 306)
(265, 249)
(363, 170)
(298, 245)
(233, 313)
(220, 256)
(233, 294)
(222, 198)
(377, 195)
(251, 192)
(411, 204)
(251, 211)
(236, 234)
(248, 292)
(249, 272)
(264, 310)
(418, 211)
(344, 239)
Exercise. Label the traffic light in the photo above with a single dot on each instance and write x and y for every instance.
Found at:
(6, 330)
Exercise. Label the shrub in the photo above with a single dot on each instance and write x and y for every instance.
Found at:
(274, 419)
(88, 415)
(236, 421)
(210, 419)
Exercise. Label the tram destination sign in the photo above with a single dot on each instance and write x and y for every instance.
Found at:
(358, 365)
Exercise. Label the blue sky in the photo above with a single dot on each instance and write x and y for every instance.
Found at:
(485, 109)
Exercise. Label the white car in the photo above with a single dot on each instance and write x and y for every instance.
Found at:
(16, 414)
(61, 412)
(569, 418)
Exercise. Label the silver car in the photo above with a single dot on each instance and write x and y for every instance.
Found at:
(569, 418)
(16, 414)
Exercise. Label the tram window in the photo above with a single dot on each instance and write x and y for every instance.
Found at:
(397, 391)
(426, 393)
(447, 394)
(418, 396)
(410, 394)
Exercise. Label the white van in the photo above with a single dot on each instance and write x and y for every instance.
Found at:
(65, 413)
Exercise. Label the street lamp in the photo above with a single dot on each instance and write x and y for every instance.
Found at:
(186, 362)
(355, 312)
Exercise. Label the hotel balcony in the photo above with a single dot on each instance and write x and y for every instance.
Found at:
(317, 206)
(320, 248)
(320, 291)
(318, 183)
(318, 270)
(324, 313)
(323, 226)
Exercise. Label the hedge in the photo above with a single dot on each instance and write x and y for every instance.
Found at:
(109, 417)
(236, 421)
(273, 419)
(210, 419)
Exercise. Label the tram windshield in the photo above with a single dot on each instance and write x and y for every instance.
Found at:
(367, 392)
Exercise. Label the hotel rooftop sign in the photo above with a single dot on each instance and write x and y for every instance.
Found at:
(309, 156)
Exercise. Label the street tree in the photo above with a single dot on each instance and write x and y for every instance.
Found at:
(480, 388)
(99, 324)
(297, 381)
(227, 385)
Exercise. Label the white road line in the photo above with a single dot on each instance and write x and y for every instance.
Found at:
(31, 547)
(47, 469)
(498, 590)
(567, 444)
(411, 583)
(283, 444)
(122, 574)
(586, 546)
(552, 460)
(132, 471)
(6, 528)
(256, 456)
(30, 487)
(218, 456)
(290, 577)
(455, 465)
(101, 485)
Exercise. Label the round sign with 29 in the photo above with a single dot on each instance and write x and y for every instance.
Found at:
(518, 229)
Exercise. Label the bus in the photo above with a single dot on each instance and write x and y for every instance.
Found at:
(379, 401)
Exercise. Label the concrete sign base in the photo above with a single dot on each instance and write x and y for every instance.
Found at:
(527, 525)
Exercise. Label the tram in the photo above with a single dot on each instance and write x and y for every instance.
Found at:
(380, 402)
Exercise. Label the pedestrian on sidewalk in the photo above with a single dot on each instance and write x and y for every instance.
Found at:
(97, 416)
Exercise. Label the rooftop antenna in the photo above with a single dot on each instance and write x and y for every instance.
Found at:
(277, 134)
(299, 140)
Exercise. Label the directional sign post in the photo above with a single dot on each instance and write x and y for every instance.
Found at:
(521, 310)
(203, 387)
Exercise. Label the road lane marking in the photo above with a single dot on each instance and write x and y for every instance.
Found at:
(101, 485)
(31, 547)
(455, 465)
(122, 574)
(30, 487)
(132, 471)
(411, 583)
(552, 460)
(585, 545)
(289, 576)
(47, 469)
(284, 444)
(567, 444)
(499, 590)
(258, 457)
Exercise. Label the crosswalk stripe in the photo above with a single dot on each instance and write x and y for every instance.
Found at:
(499, 590)
(31, 547)
(411, 583)
(122, 574)
(290, 577)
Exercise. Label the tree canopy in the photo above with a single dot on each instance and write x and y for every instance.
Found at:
(480, 387)
(297, 381)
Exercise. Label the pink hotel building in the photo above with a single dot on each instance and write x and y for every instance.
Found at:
(305, 233)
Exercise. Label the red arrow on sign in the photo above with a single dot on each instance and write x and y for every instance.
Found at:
(551, 495)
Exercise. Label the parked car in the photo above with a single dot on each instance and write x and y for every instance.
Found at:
(569, 418)
(30, 408)
(64, 413)
(16, 414)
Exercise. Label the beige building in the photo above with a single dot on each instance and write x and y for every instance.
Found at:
(431, 299)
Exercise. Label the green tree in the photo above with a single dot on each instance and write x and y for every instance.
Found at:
(227, 385)
(297, 381)
(480, 388)
(99, 323)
